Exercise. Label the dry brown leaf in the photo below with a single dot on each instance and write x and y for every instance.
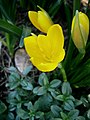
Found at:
(84, 2)
(21, 60)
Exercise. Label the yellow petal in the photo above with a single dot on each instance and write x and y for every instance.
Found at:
(44, 21)
(84, 21)
(32, 48)
(56, 38)
(44, 45)
(76, 34)
(33, 16)
(59, 56)
(44, 66)
(52, 45)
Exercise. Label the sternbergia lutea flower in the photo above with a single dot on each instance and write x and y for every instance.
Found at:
(46, 51)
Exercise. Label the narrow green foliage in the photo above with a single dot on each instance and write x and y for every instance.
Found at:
(55, 7)
(10, 28)
(76, 6)
(8, 11)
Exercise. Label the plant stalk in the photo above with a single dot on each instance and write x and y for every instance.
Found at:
(62, 72)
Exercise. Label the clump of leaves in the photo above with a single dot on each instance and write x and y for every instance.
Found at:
(42, 100)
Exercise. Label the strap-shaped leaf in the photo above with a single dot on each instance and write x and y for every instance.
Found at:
(10, 28)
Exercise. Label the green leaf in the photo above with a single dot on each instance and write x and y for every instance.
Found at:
(17, 118)
(70, 97)
(45, 102)
(39, 114)
(73, 114)
(15, 76)
(69, 105)
(78, 102)
(60, 97)
(49, 116)
(10, 116)
(3, 107)
(43, 80)
(4, 12)
(22, 114)
(22, 92)
(55, 83)
(89, 97)
(88, 114)
(85, 101)
(55, 7)
(30, 106)
(12, 101)
(35, 90)
(36, 105)
(54, 93)
(26, 85)
(41, 91)
(26, 32)
(64, 116)
(12, 69)
(10, 28)
(14, 80)
(80, 118)
(8, 11)
(32, 118)
(11, 107)
(68, 16)
(14, 84)
(66, 89)
(56, 110)
(52, 90)
(27, 70)
(76, 6)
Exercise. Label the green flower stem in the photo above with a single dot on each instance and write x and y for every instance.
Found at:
(62, 72)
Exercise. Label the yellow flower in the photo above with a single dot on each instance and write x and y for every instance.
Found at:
(40, 20)
(46, 51)
(80, 30)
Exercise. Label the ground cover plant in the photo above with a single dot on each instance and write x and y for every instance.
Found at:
(44, 60)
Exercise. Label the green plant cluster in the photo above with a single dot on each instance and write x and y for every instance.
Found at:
(43, 100)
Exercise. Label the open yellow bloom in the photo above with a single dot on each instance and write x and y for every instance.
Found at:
(46, 51)
(40, 20)
(80, 31)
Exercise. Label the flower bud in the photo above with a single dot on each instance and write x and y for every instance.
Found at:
(80, 31)
(41, 20)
